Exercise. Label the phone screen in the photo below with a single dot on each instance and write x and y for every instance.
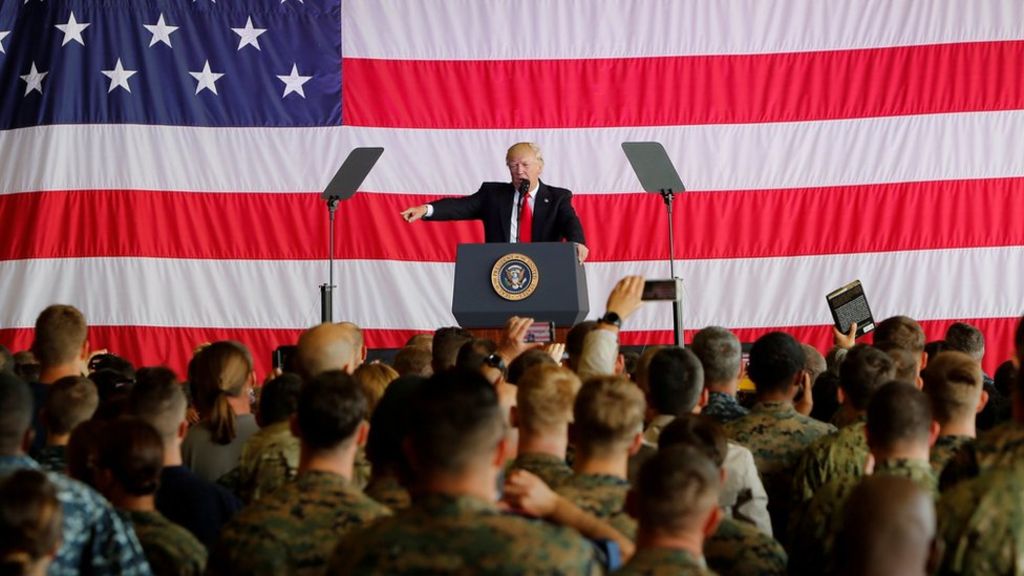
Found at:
(541, 332)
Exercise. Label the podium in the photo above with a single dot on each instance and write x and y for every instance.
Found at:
(541, 280)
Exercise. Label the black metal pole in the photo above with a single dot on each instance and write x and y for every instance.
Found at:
(327, 290)
(677, 306)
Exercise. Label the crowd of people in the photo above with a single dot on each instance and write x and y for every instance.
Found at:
(470, 456)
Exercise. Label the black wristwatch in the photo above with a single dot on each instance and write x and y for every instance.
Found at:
(611, 318)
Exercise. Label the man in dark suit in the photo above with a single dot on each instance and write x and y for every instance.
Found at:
(547, 214)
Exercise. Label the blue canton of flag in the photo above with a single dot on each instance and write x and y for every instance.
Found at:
(170, 62)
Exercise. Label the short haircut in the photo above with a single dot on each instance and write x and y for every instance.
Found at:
(608, 413)
(374, 378)
(720, 354)
(331, 406)
(69, 402)
(133, 452)
(902, 331)
(906, 364)
(112, 362)
(676, 488)
(701, 432)
(16, 406)
(60, 333)
(217, 372)
(898, 413)
(424, 340)
(159, 399)
(389, 424)
(472, 354)
(456, 422)
(526, 361)
(544, 398)
(935, 347)
(864, 371)
(967, 339)
(413, 360)
(826, 397)
(675, 380)
(81, 450)
(643, 367)
(446, 345)
(1004, 378)
(325, 347)
(30, 520)
(574, 341)
(953, 382)
(279, 398)
(814, 362)
(109, 383)
(775, 359)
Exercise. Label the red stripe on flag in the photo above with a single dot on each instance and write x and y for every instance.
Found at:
(684, 90)
(148, 345)
(620, 227)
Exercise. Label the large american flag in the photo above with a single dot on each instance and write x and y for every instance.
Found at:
(160, 160)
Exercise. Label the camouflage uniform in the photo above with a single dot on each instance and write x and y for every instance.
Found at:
(740, 549)
(946, 448)
(52, 458)
(777, 435)
(999, 446)
(664, 562)
(981, 523)
(388, 491)
(840, 455)
(293, 529)
(361, 469)
(270, 458)
(723, 407)
(446, 534)
(551, 469)
(811, 542)
(603, 496)
(170, 549)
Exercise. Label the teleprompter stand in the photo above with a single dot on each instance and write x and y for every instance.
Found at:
(656, 173)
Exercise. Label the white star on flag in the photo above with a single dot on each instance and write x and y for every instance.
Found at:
(119, 77)
(294, 82)
(161, 32)
(72, 30)
(207, 80)
(34, 79)
(248, 36)
(3, 34)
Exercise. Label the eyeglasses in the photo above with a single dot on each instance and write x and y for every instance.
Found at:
(495, 361)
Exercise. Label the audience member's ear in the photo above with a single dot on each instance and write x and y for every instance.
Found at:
(933, 433)
(83, 354)
(982, 401)
(27, 440)
(501, 452)
(362, 433)
(703, 400)
(919, 382)
(924, 362)
(712, 521)
(620, 365)
(634, 446)
(841, 395)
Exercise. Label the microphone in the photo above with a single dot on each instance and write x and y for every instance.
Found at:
(524, 189)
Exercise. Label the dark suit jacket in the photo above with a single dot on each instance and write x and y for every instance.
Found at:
(553, 216)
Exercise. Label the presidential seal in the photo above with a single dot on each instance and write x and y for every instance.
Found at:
(514, 277)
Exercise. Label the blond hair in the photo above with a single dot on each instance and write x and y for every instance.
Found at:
(545, 396)
(609, 412)
(523, 147)
(374, 380)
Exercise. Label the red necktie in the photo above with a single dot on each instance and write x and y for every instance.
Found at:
(526, 221)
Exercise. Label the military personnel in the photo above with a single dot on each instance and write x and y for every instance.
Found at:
(293, 529)
(773, 431)
(544, 405)
(888, 528)
(719, 352)
(457, 444)
(676, 502)
(270, 457)
(863, 372)
(388, 428)
(608, 423)
(736, 548)
(30, 521)
(953, 382)
(129, 459)
(70, 401)
(900, 432)
(329, 347)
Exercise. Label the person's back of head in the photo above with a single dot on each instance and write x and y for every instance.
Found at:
(775, 360)
(526, 361)
(413, 361)
(814, 362)
(901, 331)
(279, 399)
(331, 408)
(31, 521)
(643, 368)
(389, 425)
(906, 364)
(26, 366)
(129, 460)
(374, 378)
(889, 528)
(863, 372)
(355, 334)
(61, 337)
(544, 399)
(608, 416)
(899, 420)
(16, 407)
(825, 394)
(445, 347)
(420, 341)
(111, 383)
(574, 341)
(456, 426)
(113, 362)
(675, 380)
(70, 401)
(700, 432)
(720, 355)
(158, 398)
(676, 494)
(221, 371)
(965, 338)
(953, 382)
(324, 347)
